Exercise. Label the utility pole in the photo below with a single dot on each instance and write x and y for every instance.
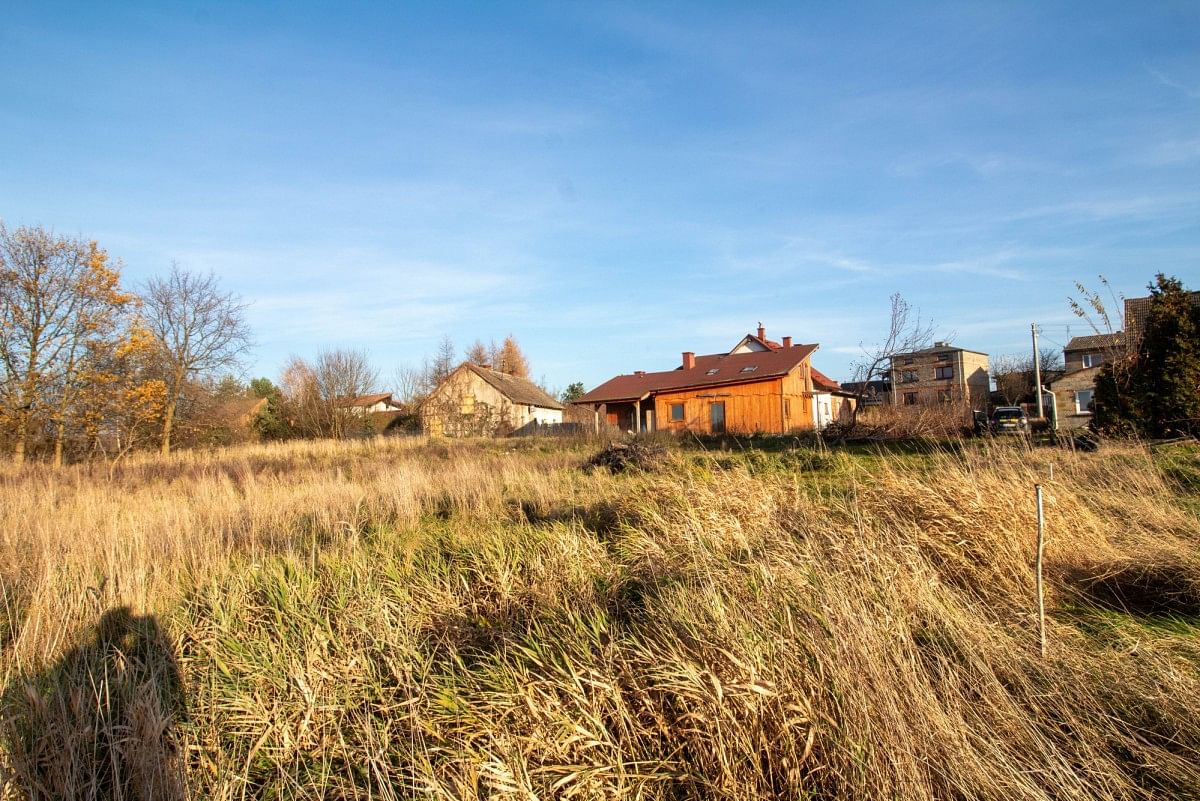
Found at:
(1037, 372)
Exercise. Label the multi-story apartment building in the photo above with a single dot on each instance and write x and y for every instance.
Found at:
(940, 374)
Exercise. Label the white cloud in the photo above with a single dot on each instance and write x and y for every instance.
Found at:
(1192, 92)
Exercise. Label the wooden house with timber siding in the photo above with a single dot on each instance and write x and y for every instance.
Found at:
(759, 386)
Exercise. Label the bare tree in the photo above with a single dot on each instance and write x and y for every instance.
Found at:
(322, 394)
(1014, 374)
(441, 365)
(906, 332)
(408, 383)
(198, 328)
(483, 355)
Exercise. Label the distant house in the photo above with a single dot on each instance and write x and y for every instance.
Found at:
(759, 385)
(1085, 356)
(942, 374)
(875, 393)
(1073, 391)
(1136, 312)
(367, 404)
(831, 402)
(1073, 395)
(479, 401)
(1092, 351)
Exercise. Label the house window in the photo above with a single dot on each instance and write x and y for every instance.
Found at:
(909, 377)
(750, 369)
(1093, 359)
(910, 399)
(468, 404)
(713, 371)
(944, 372)
(944, 396)
(677, 412)
(1083, 401)
(909, 360)
(943, 357)
(787, 408)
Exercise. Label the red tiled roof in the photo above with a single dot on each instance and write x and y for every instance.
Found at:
(768, 343)
(728, 367)
(824, 382)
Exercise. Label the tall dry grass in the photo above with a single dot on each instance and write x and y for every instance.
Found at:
(468, 620)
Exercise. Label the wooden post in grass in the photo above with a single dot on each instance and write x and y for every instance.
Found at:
(1041, 546)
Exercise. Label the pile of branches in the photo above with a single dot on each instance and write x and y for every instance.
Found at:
(897, 424)
(621, 457)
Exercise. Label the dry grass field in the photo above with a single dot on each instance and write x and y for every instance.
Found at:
(413, 619)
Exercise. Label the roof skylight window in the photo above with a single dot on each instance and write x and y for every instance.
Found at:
(750, 369)
(713, 371)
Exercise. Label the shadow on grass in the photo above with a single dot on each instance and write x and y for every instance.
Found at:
(1147, 589)
(101, 722)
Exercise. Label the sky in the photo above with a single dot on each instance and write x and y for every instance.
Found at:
(614, 184)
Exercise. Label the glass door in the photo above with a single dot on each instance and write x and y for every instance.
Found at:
(716, 417)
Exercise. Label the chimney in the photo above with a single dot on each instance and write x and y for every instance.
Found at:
(689, 360)
(762, 332)
(787, 342)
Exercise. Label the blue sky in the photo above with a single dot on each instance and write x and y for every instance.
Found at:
(614, 184)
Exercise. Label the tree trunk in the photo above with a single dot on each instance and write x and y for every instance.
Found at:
(26, 412)
(22, 435)
(180, 373)
(59, 436)
(168, 420)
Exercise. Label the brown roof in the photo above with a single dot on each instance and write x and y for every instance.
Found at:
(366, 400)
(766, 343)
(728, 370)
(824, 382)
(942, 347)
(517, 390)
(1138, 309)
(1096, 342)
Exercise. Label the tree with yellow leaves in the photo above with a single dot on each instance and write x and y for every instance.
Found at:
(56, 293)
(512, 361)
(98, 315)
(120, 397)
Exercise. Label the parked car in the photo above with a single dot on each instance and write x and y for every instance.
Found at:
(1010, 420)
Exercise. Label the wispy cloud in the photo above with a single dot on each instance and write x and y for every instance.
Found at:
(1192, 92)
(1173, 151)
(1108, 208)
(766, 253)
(985, 165)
